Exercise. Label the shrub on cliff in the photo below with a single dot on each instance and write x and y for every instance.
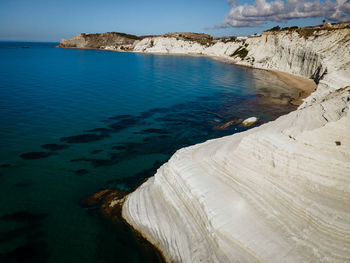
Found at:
(276, 28)
(241, 52)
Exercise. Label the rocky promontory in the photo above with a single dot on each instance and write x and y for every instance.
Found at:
(112, 40)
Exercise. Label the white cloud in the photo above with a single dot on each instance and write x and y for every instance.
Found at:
(282, 11)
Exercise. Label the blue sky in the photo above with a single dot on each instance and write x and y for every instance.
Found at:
(46, 20)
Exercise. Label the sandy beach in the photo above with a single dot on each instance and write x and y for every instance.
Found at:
(306, 86)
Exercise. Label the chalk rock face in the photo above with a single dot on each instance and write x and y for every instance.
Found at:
(168, 45)
(276, 193)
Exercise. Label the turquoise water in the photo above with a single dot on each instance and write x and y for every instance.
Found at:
(73, 122)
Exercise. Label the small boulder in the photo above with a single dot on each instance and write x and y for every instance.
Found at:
(250, 121)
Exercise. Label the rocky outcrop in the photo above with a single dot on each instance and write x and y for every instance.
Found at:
(112, 40)
(276, 193)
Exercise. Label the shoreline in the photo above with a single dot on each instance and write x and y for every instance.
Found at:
(304, 85)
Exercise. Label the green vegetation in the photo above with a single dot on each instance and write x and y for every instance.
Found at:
(202, 39)
(241, 52)
(276, 28)
(228, 39)
(310, 31)
(151, 44)
(290, 28)
(307, 32)
(126, 35)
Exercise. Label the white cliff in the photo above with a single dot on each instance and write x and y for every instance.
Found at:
(276, 193)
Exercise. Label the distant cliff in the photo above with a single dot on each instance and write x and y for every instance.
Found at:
(116, 41)
(111, 40)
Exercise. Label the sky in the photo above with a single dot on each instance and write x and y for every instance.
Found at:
(47, 20)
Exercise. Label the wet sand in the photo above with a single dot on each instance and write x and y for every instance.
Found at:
(306, 86)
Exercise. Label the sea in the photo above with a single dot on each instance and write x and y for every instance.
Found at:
(73, 122)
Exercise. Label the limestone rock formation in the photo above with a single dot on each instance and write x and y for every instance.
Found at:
(276, 193)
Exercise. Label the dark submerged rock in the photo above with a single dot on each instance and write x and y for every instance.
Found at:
(228, 124)
(96, 151)
(54, 146)
(35, 155)
(119, 117)
(119, 147)
(153, 130)
(99, 204)
(23, 216)
(163, 136)
(9, 235)
(132, 182)
(84, 138)
(96, 162)
(21, 185)
(29, 252)
(34, 249)
(5, 165)
(124, 123)
(81, 171)
(102, 130)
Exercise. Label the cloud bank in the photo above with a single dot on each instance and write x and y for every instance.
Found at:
(282, 11)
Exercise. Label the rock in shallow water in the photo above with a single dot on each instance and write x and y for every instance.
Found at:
(81, 171)
(250, 121)
(54, 146)
(23, 215)
(84, 138)
(35, 155)
(228, 124)
(96, 151)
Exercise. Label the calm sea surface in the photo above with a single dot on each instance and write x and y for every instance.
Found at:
(73, 122)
